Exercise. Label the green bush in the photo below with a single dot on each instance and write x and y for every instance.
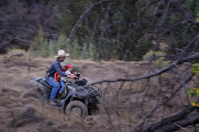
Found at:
(85, 53)
(160, 63)
(41, 47)
(150, 55)
(75, 50)
(17, 52)
(93, 52)
(61, 43)
(157, 56)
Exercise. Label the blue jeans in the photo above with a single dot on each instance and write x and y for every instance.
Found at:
(62, 86)
(55, 88)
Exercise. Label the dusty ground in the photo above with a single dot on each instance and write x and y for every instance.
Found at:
(18, 114)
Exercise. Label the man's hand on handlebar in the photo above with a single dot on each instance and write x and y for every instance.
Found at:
(75, 77)
(72, 76)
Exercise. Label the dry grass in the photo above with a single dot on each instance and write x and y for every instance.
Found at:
(120, 103)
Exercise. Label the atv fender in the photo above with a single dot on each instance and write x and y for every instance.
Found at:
(35, 82)
(72, 95)
(69, 96)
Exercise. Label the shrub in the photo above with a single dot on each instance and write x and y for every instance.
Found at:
(17, 52)
(157, 56)
(39, 44)
(41, 47)
(150, 55)
(160, 63)
(85, 53)
(194, 90)
(93, 52)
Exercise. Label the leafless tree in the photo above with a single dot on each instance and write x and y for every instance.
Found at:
(156, 101)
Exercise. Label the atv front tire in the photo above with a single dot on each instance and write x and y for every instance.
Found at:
(76, 109)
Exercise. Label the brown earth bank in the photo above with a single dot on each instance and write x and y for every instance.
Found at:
(19, 114)
(28, 115)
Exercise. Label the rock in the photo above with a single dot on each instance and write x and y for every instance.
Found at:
(20, 118)
(28, 113)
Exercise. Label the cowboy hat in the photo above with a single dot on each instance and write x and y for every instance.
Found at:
(61, 53)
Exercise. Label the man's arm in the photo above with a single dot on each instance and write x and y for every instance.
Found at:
(71, 76)
(74, 73)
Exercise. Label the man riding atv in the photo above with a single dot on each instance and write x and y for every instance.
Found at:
(80, 99)
(49, 77)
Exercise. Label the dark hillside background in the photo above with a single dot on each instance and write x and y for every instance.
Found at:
(97, 29)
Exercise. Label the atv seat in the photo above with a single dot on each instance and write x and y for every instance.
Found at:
(45, 83)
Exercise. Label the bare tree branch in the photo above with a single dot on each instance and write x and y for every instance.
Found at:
(165, 124)
(78, 23)
(184, 11)
(167, 68)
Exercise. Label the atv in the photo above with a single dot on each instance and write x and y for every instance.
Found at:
(79, 100)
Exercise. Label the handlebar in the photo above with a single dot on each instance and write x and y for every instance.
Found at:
(77, 77)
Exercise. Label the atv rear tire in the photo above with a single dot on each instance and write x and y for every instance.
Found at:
(36, 94)
(76, 109)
